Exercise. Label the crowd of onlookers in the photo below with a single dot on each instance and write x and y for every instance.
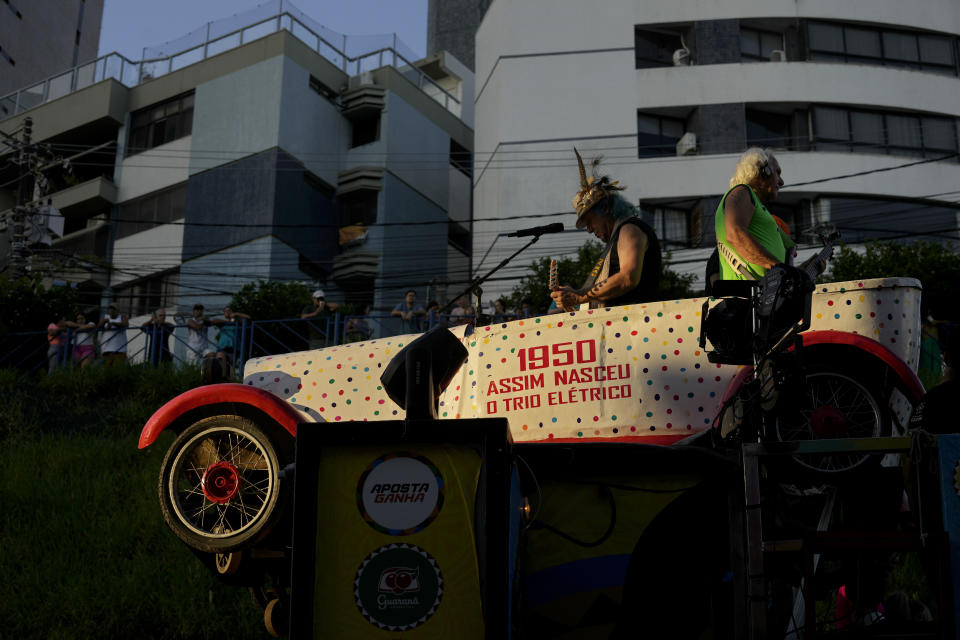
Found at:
(81, 341)
(111, 338)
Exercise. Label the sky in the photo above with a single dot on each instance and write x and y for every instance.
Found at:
(130, 25)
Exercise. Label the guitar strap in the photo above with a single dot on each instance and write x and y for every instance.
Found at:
(736, 262)
(598, 270)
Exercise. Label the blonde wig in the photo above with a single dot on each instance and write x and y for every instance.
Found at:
(749, 166)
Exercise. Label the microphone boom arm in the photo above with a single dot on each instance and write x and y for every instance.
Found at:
(481, 279)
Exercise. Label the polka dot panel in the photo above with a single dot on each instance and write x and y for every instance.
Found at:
(635, 371)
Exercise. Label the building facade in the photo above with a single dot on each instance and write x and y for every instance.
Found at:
(860, 100)
(267, 155)
(41, 38)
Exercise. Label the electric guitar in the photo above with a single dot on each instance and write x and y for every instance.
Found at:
(828, 235)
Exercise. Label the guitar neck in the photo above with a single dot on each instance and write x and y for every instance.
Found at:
(553, 284)
(825, 254)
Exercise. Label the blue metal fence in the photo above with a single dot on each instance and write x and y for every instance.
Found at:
(31, 351)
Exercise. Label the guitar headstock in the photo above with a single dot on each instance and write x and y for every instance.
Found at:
(827, 233)
(553, 284)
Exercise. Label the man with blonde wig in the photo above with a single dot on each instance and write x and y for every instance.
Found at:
(748, 237)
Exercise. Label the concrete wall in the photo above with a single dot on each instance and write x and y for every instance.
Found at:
(237, 114)
(212, 279)
(413, 254)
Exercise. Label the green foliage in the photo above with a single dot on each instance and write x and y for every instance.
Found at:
(534, 287)
(936, 265)
(29, 306)
(269, 300)
(573, 271)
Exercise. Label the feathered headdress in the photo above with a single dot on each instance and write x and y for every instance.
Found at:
(593, 188)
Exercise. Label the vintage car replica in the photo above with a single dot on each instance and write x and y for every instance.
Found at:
(630, 375)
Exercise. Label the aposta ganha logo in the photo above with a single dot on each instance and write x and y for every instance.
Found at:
(399, 580)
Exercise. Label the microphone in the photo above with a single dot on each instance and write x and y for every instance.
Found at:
(556, 227)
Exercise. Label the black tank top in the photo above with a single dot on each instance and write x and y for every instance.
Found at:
(646, 289)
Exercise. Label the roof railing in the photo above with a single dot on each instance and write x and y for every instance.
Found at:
(131, 74)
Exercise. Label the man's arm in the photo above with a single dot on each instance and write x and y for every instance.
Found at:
(396, 312)
(242, 316)
(102, 322)
(631, 249)
(737, 213)
(197, 325)
(312, 314)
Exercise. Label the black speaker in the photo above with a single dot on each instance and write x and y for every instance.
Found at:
(422, 370)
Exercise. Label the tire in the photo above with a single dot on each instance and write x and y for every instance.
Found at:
(219, 484)
(835, 402)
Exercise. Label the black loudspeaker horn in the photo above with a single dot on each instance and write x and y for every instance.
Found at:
(421, 371)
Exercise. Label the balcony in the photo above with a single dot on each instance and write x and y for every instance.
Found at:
(86, 199)
(223, 35)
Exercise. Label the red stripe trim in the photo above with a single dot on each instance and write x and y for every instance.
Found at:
(658, 439)
(282, 412)
(906, 374)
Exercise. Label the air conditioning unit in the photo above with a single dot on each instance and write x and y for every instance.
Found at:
(778, 55)
(681, 57)
(687, 144)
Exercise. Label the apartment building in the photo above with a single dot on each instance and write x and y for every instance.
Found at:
(261, 151)
(860, 100)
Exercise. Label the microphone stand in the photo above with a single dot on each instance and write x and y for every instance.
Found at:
(474, 286)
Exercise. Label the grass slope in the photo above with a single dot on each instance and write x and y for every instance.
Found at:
(85, 551)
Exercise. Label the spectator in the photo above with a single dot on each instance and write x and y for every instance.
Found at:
(433, 317)
(410, 313)
(113, 342)
(158, 332)
(462, 313)
(84, 347)
(317, 316)
(526, 309)
(358, 328)
(55, 342)
(198, 344)
(227, 341)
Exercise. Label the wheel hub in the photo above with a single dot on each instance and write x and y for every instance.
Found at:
(221, 482)
(828, 422)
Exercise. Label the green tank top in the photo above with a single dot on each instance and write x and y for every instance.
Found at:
(762, 227)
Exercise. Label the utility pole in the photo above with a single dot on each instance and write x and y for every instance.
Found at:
(18, 239)
(29, 212)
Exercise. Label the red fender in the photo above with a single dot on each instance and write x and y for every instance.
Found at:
(909, 377)
(285, 415)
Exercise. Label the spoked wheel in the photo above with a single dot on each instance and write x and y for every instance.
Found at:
(219, 484)
(833, 404)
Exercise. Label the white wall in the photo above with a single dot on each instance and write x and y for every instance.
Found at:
(154, 169)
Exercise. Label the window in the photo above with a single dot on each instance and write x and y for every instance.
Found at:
(458, 237)
(149, 294)
(359, 207)
(658, 135)
(160, 207)
(767, 129)
(655, 48)
(672, 224)
(461, 158)
(365, 130)
(759, 45)
(832, 42)
(903, 134)
(161, 123)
